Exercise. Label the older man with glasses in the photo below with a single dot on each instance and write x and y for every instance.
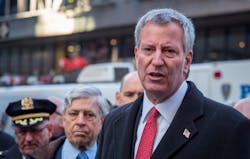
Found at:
(30, 119)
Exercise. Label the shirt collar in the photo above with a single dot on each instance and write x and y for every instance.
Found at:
(69, 151)
(167, 108)
(91, 152)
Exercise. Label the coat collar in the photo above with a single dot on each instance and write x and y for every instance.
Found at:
(183, 128)
(125, 128)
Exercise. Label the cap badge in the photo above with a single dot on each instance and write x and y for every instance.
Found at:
(27, 103)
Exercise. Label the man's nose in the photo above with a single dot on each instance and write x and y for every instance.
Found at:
(157, 58)
(80, 118)
(28, 136)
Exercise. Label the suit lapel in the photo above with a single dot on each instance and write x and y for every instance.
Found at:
(182, 129)
(124, 129)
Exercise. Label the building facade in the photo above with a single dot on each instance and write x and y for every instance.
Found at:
(35, 35)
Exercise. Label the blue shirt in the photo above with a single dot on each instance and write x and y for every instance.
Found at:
(70, 152)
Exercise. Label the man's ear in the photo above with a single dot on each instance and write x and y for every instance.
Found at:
(61, 122)
(50, 128)
(117, 98)
(136, 57)
(63, 119)
(188, 61)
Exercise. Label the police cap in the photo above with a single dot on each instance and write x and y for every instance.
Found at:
(28, 111)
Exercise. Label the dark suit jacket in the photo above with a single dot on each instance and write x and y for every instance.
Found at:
(216, 131)
(12, 153)
(8, 147)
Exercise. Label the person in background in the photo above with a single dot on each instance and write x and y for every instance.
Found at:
(85, 109)
(243, 106)
(172, 120)
(73, 60)
(130, 89)
(56, 118)
(3, 121)
(6, 143)
(30, 118)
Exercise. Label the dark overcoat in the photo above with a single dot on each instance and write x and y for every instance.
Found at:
(215, 131)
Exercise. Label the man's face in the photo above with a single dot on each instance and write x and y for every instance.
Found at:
(160, 59)
(82, 122)
(56, 122)
(32, 138)
(131, 89)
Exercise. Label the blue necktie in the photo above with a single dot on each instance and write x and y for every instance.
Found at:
(82, 155)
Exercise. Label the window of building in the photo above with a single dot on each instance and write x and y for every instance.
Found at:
(200, 54)
(13, 6)
(216, 44)
(126, 47)
(237, 42)
(4, 61)
(25, 61)
(48, 62)
(14, 61)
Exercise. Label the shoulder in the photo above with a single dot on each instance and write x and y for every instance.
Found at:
(118, 112)
(13, 153)
(6, 140)
(4, 135)
(213, 110)
(55, 145)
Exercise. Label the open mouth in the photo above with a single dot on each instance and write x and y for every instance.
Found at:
(156, 76)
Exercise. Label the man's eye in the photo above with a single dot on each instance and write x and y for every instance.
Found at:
(73, 113)
(169, 52)
(129, 94)
(89, 115)
(147, 49)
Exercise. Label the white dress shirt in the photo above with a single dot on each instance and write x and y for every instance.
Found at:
(167, 110)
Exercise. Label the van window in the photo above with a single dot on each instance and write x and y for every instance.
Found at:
(120, 72)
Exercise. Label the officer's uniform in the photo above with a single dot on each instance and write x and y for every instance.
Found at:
(28, 112)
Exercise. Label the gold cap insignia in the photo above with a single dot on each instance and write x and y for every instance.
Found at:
(27, 103)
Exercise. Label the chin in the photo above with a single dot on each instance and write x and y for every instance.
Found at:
(156, 88)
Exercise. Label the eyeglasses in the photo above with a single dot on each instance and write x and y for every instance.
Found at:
(33, 130)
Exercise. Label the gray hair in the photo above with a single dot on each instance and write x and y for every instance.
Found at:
(88, 92)
(164, 16)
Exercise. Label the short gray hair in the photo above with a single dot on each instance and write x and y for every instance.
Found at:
(164, 16)
(87, 92)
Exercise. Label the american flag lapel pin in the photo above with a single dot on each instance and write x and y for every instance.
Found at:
(186, 133)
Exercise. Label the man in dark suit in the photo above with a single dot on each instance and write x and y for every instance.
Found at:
(172, 119)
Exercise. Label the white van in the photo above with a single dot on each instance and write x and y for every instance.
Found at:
(226, 82)
(105, 72)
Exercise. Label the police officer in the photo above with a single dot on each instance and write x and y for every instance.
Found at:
(31, 126)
